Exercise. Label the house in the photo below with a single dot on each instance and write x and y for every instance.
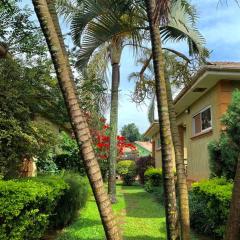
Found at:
(143, 149)
(28, 167)
(199, 108)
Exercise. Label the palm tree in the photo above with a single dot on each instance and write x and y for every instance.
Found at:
(113, 25)
(180, 25)
(153, 11)
(50, 27)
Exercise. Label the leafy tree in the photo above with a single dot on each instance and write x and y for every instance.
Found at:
(232, 123)
(18, 33)
(131, 132)
(25, 92)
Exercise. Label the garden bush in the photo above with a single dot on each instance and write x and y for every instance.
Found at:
(143, 163)
(127, 170)
(28, 207)
(209, 206)
(73, 199)
(69, 158)
(223, 157)
(153, 178)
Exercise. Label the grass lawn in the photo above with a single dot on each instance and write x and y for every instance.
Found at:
(140, 217)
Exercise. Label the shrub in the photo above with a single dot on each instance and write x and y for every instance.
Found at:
(153, 177)
(223, 157)
(209, 206)
(224, 153)
(143, 163)
(69, 159)
(127, 170)
(28, 206)
(73, 199)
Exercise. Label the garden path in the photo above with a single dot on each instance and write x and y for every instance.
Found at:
(139, 216)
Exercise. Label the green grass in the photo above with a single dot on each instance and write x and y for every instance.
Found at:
(139, 216)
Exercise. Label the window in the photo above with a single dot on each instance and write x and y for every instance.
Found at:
(202, 121)
(158, 143)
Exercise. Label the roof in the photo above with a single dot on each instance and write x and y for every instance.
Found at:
(146, 145)
(211, 66)
(206, 78)
(152, 130)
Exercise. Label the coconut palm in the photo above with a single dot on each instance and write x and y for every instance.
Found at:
(50, 27)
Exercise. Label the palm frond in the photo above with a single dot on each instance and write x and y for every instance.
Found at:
(182, 27)
(151, 109)
(100, 24)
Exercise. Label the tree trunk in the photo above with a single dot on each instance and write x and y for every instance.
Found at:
(164, 125)
(79, 125)
(115, 54)
(233, 224)
(181, 174)
(113, 133)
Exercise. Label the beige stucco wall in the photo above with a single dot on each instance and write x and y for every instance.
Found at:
(158, 153)
(196, 148)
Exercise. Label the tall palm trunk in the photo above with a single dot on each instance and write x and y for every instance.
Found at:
(181, 175)
(115, 55)
(233, 224)
(164, 125)
(79, 125)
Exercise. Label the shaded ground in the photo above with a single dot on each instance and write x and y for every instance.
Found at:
(139, 216)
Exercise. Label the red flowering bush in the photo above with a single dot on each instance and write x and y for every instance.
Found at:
(100, 132)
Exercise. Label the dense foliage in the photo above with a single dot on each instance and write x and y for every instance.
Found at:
(224, 152)
(153, 178)
(68, 156)
(209, 206)
(143, 163)
(223, 157)
(28, 207)
(131, 132)
(26, 92)
(18, 33)
(73, 199)
(127, 170)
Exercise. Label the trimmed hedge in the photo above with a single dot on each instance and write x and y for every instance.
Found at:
(142, 164)
(153, 178)
(29, 206)
(127, 170)
(209, 206)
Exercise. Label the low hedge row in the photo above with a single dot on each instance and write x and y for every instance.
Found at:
(209, 206)
(28, 207)
(127, 170)
(153, 183)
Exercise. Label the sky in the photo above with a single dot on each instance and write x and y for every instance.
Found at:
(219, 23)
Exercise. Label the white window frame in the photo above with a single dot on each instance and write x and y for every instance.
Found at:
(193, 121)
(158, 143)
